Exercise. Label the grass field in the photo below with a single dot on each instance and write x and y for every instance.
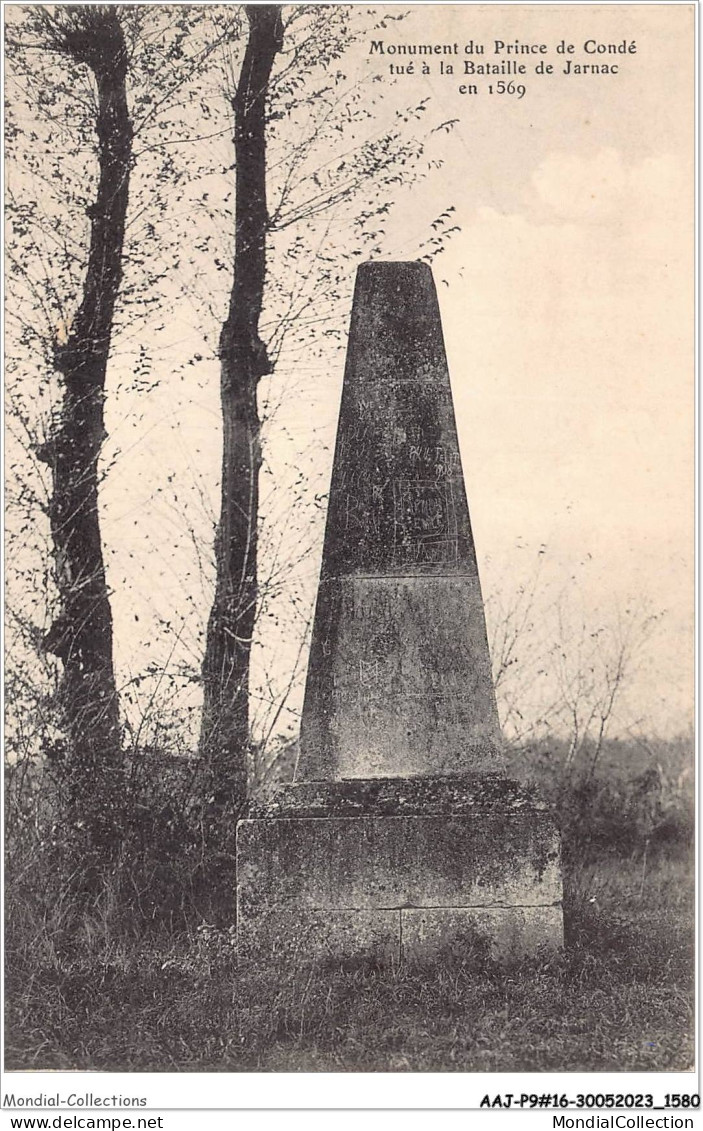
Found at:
(620, 997)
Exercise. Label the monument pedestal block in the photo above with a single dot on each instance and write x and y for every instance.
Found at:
(397, 869)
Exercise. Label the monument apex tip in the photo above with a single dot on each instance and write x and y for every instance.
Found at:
(388, 266)
(391, 284)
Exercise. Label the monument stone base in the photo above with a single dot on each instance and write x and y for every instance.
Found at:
(397, 869)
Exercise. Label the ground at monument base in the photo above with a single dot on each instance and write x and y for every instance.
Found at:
(620, 996)
(397, 869)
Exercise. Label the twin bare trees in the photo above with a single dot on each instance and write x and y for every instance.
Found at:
(118, 66)
(95, 42)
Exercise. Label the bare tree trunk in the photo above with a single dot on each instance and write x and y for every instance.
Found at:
(81, 635)
(243, 361)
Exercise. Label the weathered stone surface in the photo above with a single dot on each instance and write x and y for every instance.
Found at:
(344, 863)
(412, 887)
(301, 936)
(399, 679)
(506, 932)
(395, 797)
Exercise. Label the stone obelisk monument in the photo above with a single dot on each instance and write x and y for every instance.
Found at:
(400, 835)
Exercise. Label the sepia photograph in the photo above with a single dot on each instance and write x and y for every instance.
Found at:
(349, 541)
